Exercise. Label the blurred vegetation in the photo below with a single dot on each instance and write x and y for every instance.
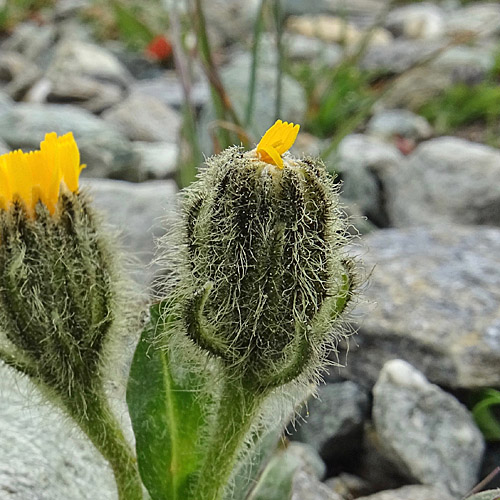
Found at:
(465, 105)
(133, 23)
(486, 413)
(13, 12)
(335, 97)
(340, 99)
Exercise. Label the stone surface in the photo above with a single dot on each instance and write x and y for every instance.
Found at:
(236, 81)
(413, 492)
(293, 468)
(106, 152)
(398, 56)
(334, 421)
(434, 300)
(363, 162)
(388, 123)
(335, 29)
(31, 40)
(481, 19)
(467, 64)
(17, 73)
(312, 51)
(144, 118)
(423, 20)
(158, 160)
(307, 487)
(426, 432)
(139, 212)
(414, 88)
(446, 180)
(86, 74)
(41, 456)
(168, 89)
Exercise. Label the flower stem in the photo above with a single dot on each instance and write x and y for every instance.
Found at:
(237, 410)
(101, 427)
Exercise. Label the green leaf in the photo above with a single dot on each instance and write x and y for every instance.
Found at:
(134, 31)
(485, 419)
(276, 482)
(246, 474)
(167, 412)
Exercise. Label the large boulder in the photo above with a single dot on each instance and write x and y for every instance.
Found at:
(427, 433)
(445, 180)
(434, 300)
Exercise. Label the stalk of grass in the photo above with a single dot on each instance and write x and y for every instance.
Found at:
(187, 171)
(222, 103)
(278, 19)
(257, 34)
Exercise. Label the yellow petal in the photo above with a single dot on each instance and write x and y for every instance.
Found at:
(276, 141)
(270, 155)
(37, 175)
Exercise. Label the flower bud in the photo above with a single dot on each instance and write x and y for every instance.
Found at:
(263, 277)
(56, 272)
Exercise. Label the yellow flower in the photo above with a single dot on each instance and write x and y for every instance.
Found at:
(37, 175)
(276, 141)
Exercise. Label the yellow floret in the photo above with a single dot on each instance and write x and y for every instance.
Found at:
(276, 141)
(37, 175)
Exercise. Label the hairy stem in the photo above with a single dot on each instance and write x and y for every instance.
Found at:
(237, 411)
(99, 424)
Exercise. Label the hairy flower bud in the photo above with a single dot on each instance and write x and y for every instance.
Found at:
(56, 293)
(264, 277)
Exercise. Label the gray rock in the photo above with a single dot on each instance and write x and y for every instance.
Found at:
(398, 56)
(77, 57)
(4, 148)
(423, 20)
(413, 492)
(388, 123)
(158, 160)
(468, 64)
(361, 11)
(229, 21)
(348, 485)
(414, 88)
(312, 50)
(169, 90)
(31, 40)
(486, 495)
(235, 77)
(105, 151)
(142, 117)
(307, 487)
(336, 29)
(6, 102)
(433, 301)
(363, 163)
(87, 92)
(140, 214)
(334, 422)
(18, 73)
(87, 74)
(41, 456)
(292, 471)
(481, 19)
(446, 180)
(426, 432)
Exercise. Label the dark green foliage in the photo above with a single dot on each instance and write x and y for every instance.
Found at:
(56, 292)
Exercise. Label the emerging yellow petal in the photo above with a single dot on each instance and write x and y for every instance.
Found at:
(276, 141)
(37, 175)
